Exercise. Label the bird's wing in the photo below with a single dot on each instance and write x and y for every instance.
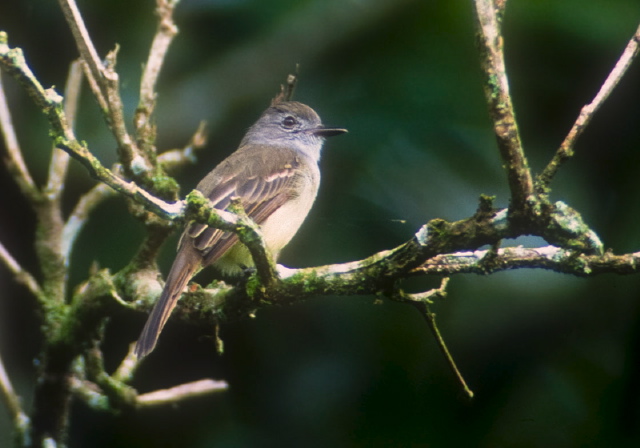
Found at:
(262, 188)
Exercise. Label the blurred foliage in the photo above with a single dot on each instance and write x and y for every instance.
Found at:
(553, 359)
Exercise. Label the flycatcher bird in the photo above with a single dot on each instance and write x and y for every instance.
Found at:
(275, 175)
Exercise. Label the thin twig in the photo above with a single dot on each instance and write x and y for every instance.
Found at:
(178, 157)
(12, 402)
(118, 393)
(127, 368)
(59, 158)
(90, 393)
(14, 162)
(166, 31)
(108, 81)
(490, 45)
(566, 149)
(81, 36)
(20, 274)
(180, 393)
(80, 214)
(95, 88)
(421, 302)
(430, 317)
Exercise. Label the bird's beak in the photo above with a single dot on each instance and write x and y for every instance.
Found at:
(328, 132)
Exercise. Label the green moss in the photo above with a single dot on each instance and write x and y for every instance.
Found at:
(165, 186)
(54, 99)
(569, 229)
(253, 287)
(307, 283)
(494, 86)
(58, 140)
(54, 326)
(438, 228)
(196, 200)
(577, 264)
(486, 203)
(98, 402)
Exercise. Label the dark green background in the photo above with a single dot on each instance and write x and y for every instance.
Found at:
(553, 359)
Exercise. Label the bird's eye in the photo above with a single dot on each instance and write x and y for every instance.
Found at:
(289, 122)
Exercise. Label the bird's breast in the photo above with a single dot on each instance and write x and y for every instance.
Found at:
(282, 224)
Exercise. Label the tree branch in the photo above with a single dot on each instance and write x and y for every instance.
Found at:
(251, 236)
(180, 393)
(60, 159)
(566, 149)
(496, 87)
(422, 302)
(21, 421)
(108, 81)
(166, 31)
(377, 275)
(21, 275)
(50, 103)
(81, 36)
(127, 368)
(174, 158)
(14, 161)
(80, 214)
(552, 258)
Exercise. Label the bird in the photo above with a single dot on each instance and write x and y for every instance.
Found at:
(274, 175)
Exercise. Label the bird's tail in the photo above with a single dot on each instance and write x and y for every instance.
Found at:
(185, 266)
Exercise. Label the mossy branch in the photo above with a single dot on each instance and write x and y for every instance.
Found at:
(490, 42)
